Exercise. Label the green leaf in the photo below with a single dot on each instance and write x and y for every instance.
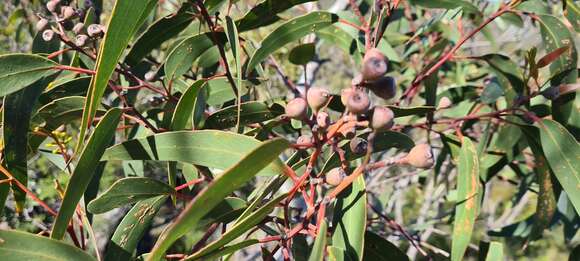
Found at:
(508, 73)
(265, 13)
(62, 111)
(181, 58)
(383, 141)
(467, 199)
(319, 247)
(217, 190)
(302, 54)
(379, 249)
(227, 250)
(220, 91)
(349, 220)
(71, 87)
(184, 108)
(407, 111)
(127, 191)
(562, 152)
(556, 35)
(495, 252)
(334, 35)
(239, 228)
(290, 31)
(233, 39)
(448, 4)
(18, 245)
(491, 92)
(250, 112)
(84, 170)
(573, 14)
(21, 70)
(158, 32)
(214, 149)
(132, 228)
(17, 110)
(125, 18)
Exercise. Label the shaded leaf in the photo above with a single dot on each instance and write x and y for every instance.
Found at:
(302, 54)
(265, 13)
(250, 112)
(377, 248)
(495, 252)
(186, 105)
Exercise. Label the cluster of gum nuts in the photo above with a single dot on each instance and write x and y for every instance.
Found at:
(358, 107)
(64, 15)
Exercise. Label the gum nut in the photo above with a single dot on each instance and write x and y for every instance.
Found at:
(52, 5)
(345, 94)
(385, 87)
(81, 40)
(47, 35)
(322, 119)
(317, 97)
(78, 28)
(296, 109)
(374, 65)
(94, 30)
(41, 25)
(334, 176)
(382, 119)
(358, 146)
(420, 156)
(304, 140)
(150, 76)
(68, 12)
(444, 103)
(357, 80)
(348, 133)
(358, 102)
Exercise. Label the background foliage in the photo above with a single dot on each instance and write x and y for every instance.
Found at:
(162, 130)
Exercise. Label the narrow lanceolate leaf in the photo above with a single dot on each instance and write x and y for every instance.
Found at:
(495, 252)
(573, 14)
(349, 220)
(214, 149)
(132, 228)
(288, 32)
(467, 199)
(18, 245)
(232, 179)
(249, 112)
(563, 153)
(83, 172)
(127, 191)
(17, 110)
(184, 108)
(239, 228)
(378, 248)
(160, 31)
(21, 70)
(265, 13)
(564, 69)
(319, 247)
(187, 51)
(125, 18)
(233, 39)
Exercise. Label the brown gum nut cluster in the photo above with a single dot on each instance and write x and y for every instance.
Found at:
(65, 15)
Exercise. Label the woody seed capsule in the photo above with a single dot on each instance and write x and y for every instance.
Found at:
(384, 87)
(296, 109)
(382, 119)
(334, 176)
(317, 98)
(420, 156)
(374, 65)
(358, 102)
